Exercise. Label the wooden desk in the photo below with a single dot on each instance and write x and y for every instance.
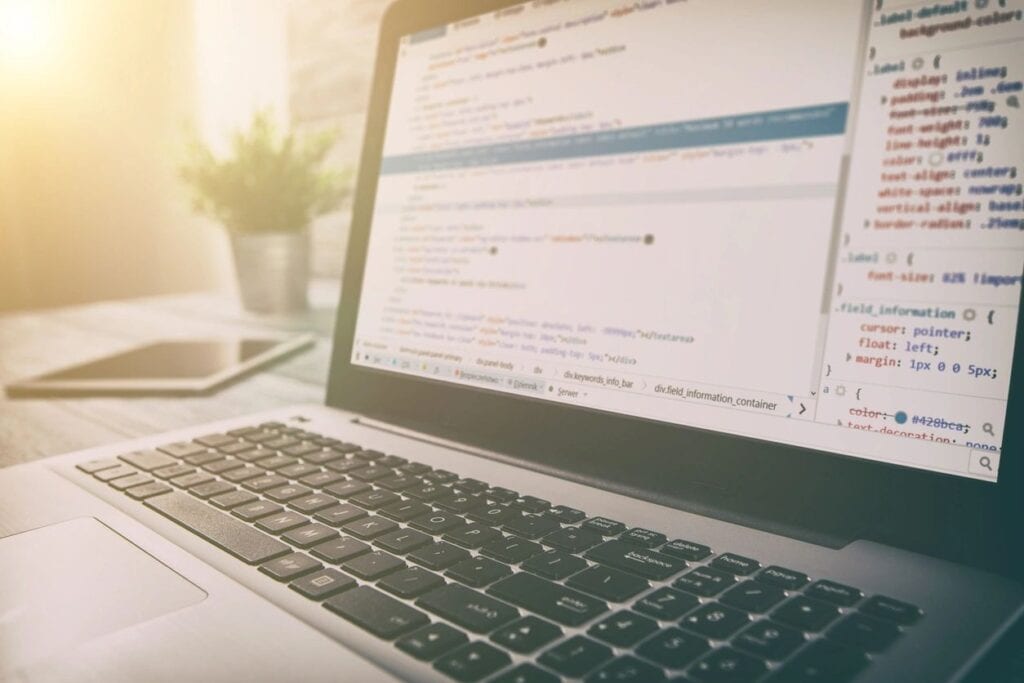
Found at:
(34, 342)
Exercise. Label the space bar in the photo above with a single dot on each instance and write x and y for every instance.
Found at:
(227, 533)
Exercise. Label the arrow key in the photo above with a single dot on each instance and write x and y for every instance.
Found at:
(526, 634)
(430, 642)
(623, 629)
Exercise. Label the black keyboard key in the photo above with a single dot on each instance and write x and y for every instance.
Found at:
(310, 535)
(715, 621)
(276, 462)
(392, 461)
(644, 538)
(865, 633)
(283, 494)
(501, 495)
(402, 541)
(299, 469)
(223, 465)
(173, 471)
(376, 612)
(572, 539)
(687, 550)
(666, 604)
(736, 564)
(259, 484)
(322, 584)
(216, 440)
(806, 614)
(550, 600)
(236, 447)
(399, 483)
(472, 535)
(369, 527)
(204, 458)
(467, 608)
(478, 571)
(283, 522)
(427, 492)
(673, 648)
(323, 457)
(347, 488)
(526, 673)
(623, 629)
(531, 526)
(404, 510)
(281, 442)
(346, 465)
(626, 669)
(340, 514)
(576, 656)
(226, 501)
(368, 454)
(211, 489)
(440, 476)
(153, 488)
(530, 504)
(373, 565)
(890, 609)
(371, 473)
(339, 550)
(823, 661)
(432, 641)
(783, 578)
(566, 514)
(436, 523)
(470, 485)
(312, 503)
(604, 526)
(769, 640)
(649, 564)
(438, 555)
(836, 593)
(472, 662)
(290, 566)
(459, 502)
(704, 581)
(256, 510)
(415, 468)
(526, 634)
(252, 454)
(726, 665)
(319, 480)
(301, 449)
(493, 515)
(608, 583)
(753, 596)
(510, 549)
(225, 532)
(554, 564)
(411, 582)
(376, 498)
(149, 460)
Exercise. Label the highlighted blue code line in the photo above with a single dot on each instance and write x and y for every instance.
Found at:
(780, 124)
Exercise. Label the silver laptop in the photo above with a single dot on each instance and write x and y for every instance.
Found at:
(677, 342)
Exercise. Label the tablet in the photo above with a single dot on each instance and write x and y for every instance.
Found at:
(179, 366)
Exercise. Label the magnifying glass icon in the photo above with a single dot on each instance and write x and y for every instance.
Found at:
(987, 428)
(985, 462)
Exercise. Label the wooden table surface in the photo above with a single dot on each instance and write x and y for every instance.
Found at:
(34, 342)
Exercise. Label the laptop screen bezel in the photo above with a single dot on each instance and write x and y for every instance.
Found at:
(815, 495)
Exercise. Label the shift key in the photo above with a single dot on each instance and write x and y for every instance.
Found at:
(551, 600)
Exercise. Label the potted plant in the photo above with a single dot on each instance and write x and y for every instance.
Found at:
(266, 192)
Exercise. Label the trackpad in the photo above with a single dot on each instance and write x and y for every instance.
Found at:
(71, 582)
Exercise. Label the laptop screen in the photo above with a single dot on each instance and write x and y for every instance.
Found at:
(798, 222)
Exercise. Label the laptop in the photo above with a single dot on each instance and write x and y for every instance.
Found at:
(678, 341)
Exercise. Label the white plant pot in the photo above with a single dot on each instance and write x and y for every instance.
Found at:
(273, 270)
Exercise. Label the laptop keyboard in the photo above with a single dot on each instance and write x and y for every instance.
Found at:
(486, 583)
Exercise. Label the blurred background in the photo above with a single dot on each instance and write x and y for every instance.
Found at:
(95, 100)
